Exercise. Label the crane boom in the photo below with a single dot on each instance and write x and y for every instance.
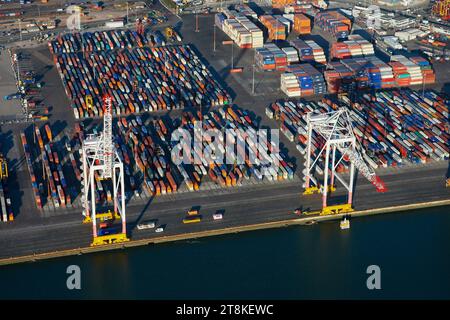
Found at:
(356, 158)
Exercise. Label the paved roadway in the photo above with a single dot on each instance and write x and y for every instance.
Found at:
(244, 205)
(31, 233)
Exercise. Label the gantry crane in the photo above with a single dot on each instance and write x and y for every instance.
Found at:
(99, 157)
(336, 129)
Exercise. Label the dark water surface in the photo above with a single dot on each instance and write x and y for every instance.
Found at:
(319, 261)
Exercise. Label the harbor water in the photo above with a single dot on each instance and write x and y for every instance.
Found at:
(411, 249)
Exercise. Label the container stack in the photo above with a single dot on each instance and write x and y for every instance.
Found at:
(291, 54)
(302, 24)
(301, 8)
(245, 10)
(219, 19)
(317, 51)
(302, 80)
(275, 29)
(264, 59)
(333, 22)
(286, 22)
(137, 78)
(280, 4)
(243, 32)
(309, 51)
(356, 46)
(305, 52)
(407, 70)
(428, 74)
(372, 72)
(255, 32)
(380, 74)
(393, 127)
(279, 55)
(414, 71)
(229, 14)
(238, 33)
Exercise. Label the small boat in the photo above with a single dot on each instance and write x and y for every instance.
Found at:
(345, 224)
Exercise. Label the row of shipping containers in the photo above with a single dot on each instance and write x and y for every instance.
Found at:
(245, 10)
(356, 46)
(271, 57)
(302, 24)
(138, 79)
(412, 71)
(371, 72)
(334, 23)
(241, 30)
(276, 27)
(309, 51)
(280, 4)
(51, 182)
(302, 80)
(34, 182)
(393, 127)
(96, 41)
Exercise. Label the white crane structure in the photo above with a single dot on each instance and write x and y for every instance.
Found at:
(336, 129)
(100, 158)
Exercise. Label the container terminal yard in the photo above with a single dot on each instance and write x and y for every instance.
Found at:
(88, 120)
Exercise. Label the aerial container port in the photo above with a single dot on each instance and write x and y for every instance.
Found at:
(394, 127)
(160, 79)
(138, 78)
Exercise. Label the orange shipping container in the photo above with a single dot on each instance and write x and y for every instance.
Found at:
(302, 24)
(282, 3)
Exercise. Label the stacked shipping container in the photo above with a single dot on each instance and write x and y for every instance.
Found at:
(302, 24)
(372, 72)
(333, 22)
(265, 59)
(354, 47)
(241, 30)
(279, 4)
(279, 56)
(246, 11)
(413, 71)
(275, 29)
(309, 51)
(302, 80)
